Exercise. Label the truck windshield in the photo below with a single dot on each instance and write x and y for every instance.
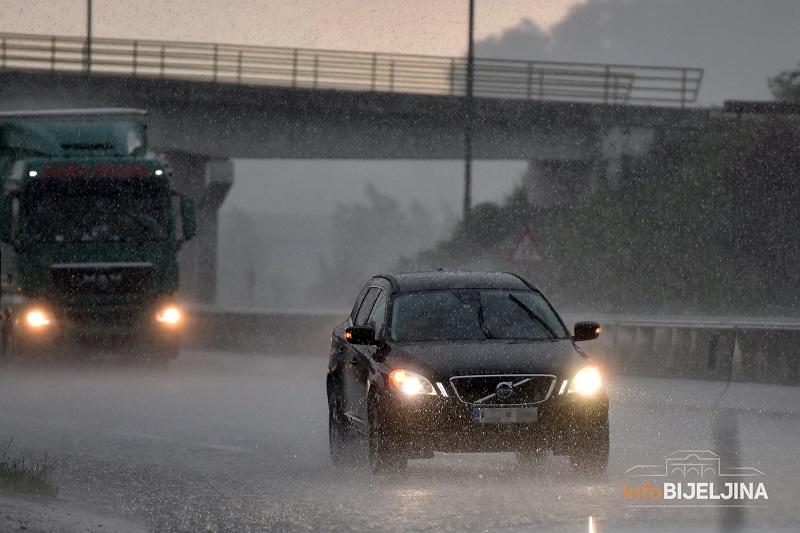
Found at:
(474, 315)
(108, 212)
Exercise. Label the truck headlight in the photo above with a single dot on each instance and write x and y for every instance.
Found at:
(411, 383)
(587, 381)
(37, 318)
(170, 316)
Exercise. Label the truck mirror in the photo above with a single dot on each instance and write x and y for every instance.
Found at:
(7, 219)
(188, 221)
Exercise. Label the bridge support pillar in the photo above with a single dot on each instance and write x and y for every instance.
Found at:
(207, 182)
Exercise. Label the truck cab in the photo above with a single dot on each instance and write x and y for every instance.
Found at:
(90, 230)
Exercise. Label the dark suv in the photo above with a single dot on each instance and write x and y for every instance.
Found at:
(462, 362)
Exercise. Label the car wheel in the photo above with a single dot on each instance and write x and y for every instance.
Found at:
(386, 454)
(591, 454)
(340, 437)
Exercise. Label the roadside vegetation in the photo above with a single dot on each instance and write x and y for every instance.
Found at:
(20, 475)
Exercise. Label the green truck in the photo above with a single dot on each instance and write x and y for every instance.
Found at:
(90, 230)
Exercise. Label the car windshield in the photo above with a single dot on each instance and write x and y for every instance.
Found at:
(97, 215)
(474, 315)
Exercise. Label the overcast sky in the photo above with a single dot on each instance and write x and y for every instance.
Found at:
(437, 27)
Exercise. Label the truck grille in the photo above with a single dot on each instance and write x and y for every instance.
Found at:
(520, 389)
(102, 278)
(103, 320)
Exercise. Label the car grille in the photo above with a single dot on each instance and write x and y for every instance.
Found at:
(525, 389)
(102, 278)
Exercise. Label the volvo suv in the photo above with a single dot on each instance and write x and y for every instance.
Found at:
(462, 362)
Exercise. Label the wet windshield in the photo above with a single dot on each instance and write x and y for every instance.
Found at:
(474, 315)
(75, 214)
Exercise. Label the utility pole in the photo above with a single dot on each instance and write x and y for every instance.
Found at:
(468, 118)
(88, 36)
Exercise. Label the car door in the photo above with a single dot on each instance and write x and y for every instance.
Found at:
(356, 364)
(365, 356)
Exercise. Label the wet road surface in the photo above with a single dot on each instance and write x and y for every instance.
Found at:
(233, 442)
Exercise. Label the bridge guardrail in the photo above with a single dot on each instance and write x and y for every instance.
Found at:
(363, 71)
(737, 349)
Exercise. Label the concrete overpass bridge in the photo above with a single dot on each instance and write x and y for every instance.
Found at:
(210, 103)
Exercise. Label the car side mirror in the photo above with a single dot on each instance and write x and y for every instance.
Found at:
(586, 331)
(7, 219)
(359, 335)
(188, 221)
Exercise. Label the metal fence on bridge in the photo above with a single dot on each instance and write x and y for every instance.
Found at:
(362, 71)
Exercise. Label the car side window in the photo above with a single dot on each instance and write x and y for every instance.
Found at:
(378, 315)
(357, 306)
(366, 307)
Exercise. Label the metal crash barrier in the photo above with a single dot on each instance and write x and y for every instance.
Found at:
(736, 349)
(745, 350)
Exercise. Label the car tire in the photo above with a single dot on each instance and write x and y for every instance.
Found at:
(591, 454)
(341, 440)
(386, 453)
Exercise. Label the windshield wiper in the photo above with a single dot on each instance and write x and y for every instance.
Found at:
(482, 323)
(533, 316)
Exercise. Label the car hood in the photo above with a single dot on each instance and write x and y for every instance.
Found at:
(442, 360)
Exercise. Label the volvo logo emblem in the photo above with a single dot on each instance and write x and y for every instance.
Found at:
(504, 389)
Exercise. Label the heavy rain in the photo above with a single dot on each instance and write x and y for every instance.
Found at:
(252, 256)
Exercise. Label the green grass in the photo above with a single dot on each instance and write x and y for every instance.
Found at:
(19, 475)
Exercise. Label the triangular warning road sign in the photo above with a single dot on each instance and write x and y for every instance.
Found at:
(527, 249)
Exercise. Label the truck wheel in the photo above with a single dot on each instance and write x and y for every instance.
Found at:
(341, 440)
(4, 343)
(591, 452)
(386, 453)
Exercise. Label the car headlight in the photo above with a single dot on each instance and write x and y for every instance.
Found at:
(37, 318)
(411, 383)
(587, 381)
(170, 316)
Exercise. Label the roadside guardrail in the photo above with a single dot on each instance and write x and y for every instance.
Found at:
(714, 348)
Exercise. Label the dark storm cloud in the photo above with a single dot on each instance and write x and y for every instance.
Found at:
(739, 43)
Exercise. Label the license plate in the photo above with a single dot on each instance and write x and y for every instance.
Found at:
(504, 415)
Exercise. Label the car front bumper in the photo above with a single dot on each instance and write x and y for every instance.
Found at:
(435, 423)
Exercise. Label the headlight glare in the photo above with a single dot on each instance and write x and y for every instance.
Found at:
(170, 316)
(411, 383)
(587, 381)
(37, 318)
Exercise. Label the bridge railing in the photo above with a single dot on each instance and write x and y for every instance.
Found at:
(363, 71)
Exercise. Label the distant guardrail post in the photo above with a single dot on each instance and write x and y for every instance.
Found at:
(216, 61)
(163, 53)
(530, 79)
(88, 49)
(316, 70)
(452, 76)
(541, 84)
(294, 68)
(607, 80)
(52, 54)
(3, 48)
(239, 67)
(391, 76)
(374, 69)
(683, 88)
(135, 56)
